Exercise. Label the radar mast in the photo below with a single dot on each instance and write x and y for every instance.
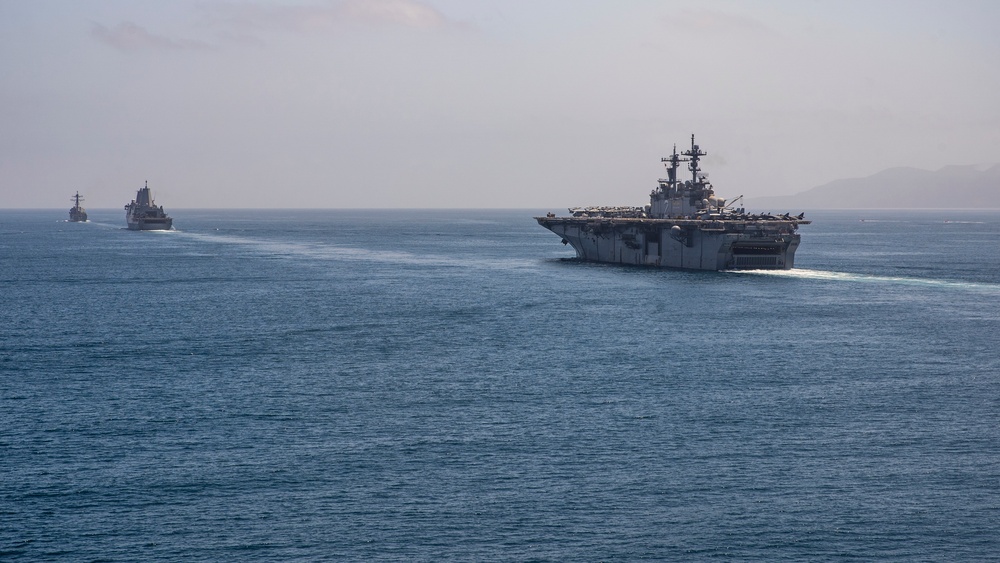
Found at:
(674, 161)
(695, 155)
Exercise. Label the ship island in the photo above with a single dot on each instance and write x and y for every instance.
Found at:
(685, 226)
(77, 214)
(142, 214)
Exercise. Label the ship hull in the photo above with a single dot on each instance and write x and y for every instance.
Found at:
(150, 224)
(77, 217)
(690, 244)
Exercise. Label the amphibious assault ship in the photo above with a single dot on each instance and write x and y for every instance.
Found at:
(144, 215)
(684, 226)
(77, 214)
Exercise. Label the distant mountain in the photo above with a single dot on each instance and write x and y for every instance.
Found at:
(952, 187)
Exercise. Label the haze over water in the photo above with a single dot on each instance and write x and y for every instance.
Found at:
(446, 385)
(475, 104)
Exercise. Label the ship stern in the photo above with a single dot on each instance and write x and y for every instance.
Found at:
(776, 253)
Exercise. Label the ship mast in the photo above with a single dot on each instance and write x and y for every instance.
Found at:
(695, 153)
(77, 199)
(674, 163)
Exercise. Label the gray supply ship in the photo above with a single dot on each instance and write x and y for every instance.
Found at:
(684, 226)
(144, 215)
(77, 214)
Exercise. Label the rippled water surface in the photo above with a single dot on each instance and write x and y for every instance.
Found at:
(445, 385)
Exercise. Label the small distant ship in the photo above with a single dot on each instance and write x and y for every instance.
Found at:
(77, 214)
(144, 215)
(684, 226)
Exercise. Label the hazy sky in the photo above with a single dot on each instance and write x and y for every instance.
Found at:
(477, 103)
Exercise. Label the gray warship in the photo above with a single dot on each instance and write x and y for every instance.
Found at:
(77, 214)
(684, 226)
(144, 215)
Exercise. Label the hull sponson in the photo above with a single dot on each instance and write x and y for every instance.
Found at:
(693, 244)
(150, 224)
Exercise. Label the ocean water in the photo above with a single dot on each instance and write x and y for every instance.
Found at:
(447, 385)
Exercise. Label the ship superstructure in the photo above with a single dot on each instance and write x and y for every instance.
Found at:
(684, 226)
(77, 214)
(142, 214)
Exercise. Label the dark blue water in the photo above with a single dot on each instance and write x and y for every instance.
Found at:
(441, 385)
